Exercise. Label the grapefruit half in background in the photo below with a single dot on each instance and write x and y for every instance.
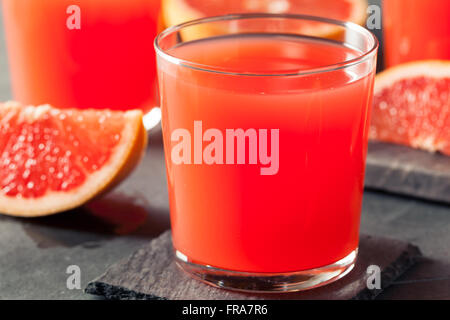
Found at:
(412, 106)
(52, 160)
(179, 11)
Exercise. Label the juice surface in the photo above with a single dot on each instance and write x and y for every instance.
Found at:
(108, 63)
(305, 216)
(416, 30)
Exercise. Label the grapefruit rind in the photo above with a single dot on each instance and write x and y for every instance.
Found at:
(123, 160)
(426, 68)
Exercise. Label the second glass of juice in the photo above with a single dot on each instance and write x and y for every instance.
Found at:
(265, 128)
(416, 30)
(84, 53)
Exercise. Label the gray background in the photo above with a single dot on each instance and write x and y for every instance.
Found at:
(35, 253)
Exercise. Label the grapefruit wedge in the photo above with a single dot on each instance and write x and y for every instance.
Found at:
(412, 106)
(52, 160)
(179, 11)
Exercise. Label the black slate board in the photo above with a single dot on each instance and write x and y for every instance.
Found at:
(406, 171)
(150, 273)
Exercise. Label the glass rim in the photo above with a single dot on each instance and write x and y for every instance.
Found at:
(366, 54)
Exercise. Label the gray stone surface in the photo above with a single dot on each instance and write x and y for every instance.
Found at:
(407, 171)
(151, 273)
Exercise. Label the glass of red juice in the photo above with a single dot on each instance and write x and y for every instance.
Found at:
(265, 128)
(84, 53)
(416, 30)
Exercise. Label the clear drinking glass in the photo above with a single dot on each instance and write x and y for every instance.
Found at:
(84, 53)
(265, 124)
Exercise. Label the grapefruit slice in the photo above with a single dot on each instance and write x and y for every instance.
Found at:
(179, 11)
(52, 160)
(412, 106)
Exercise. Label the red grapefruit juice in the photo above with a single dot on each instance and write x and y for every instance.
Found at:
(307, 214)
(109, 62)
(416, 30)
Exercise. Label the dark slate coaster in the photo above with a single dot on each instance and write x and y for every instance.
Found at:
(151, 273)
(403, 170)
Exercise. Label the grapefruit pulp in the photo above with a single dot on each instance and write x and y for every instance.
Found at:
(52, 160)
(412, 106)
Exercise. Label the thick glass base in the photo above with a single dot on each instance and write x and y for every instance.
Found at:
(267, 282)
